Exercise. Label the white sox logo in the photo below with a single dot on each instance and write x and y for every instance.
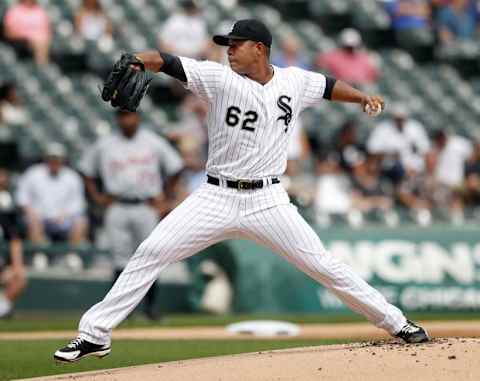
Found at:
(282, 102)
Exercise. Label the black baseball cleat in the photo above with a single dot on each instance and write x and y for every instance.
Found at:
(413, 334)
(80, 348)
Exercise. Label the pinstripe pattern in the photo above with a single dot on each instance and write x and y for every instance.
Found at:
(235, 152)
(204, 218)
(214, 213)
(285, 232)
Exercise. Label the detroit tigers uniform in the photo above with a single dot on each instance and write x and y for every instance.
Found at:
(249, 125)
(131, 170)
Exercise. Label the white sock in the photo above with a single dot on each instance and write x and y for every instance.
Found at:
(5, 305)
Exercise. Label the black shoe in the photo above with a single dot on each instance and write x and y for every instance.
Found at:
(80, 348)
(412, 333)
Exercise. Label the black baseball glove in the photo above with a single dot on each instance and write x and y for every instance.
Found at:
(127, 83)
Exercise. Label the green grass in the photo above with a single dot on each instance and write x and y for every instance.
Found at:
(23, 359)
(44, 322)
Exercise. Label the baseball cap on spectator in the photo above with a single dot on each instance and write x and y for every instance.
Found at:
(248, 29)
(350, 38)
(55, 150)
(399, 110)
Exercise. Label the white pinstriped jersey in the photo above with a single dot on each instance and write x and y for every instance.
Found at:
(249, 124)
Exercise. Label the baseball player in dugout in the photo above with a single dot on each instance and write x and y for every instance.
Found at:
(253, 107)
(138, 171)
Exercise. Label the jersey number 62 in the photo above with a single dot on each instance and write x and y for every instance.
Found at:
(233, 118)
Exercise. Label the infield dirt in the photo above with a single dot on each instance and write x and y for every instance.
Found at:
(442, 359)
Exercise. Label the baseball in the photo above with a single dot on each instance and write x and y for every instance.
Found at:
(373, 111)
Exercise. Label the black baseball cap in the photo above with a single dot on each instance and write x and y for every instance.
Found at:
(249, 29)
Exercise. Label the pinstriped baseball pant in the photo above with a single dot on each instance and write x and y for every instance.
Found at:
(212, 214)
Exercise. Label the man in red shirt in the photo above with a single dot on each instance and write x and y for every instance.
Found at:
(348, 62)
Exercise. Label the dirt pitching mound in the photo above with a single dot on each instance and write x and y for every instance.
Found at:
(441, 359)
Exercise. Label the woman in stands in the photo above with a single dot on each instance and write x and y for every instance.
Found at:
(92, 22)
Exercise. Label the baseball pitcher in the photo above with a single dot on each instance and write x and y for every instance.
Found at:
(253, 107)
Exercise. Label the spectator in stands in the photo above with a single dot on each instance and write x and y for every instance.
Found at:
(299, 182)
(53, 201)
(402, 141)
(192, 119)
(457, 21)
(349, 62)
(449, 155)
(218, 53)
(27, 26)
(333, 193)
(189, 135)
(411, 21)
(13, 277)
(11, 106)
(419, 193)
(184, 33)
(298, 150)
(471, 187)
(91, 22)
(370, 194)
(349, 150)
(194, 159)
(409, 14)
(291, 54)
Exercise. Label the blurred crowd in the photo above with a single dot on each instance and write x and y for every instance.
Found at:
(26, 25)
(444, 21)
(398, 173)
(400, 169)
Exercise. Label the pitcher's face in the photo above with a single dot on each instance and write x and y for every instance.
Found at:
(242, 54)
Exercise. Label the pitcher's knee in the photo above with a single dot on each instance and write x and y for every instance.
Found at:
(154, 249)
(313, 250)
(318, 261)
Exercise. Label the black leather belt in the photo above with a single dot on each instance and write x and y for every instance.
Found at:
(130, 200)
(241, 184)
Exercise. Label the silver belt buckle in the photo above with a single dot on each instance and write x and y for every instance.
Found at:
(244, 184)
